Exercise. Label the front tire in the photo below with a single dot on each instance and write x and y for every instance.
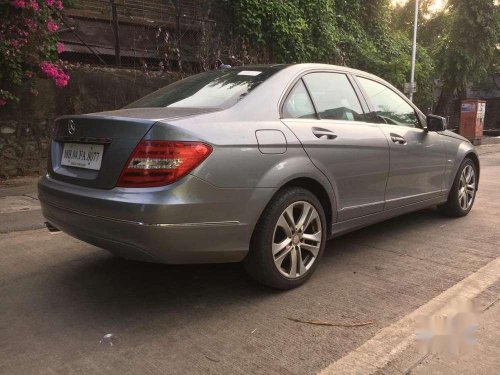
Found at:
(463, 192)
(288, 241)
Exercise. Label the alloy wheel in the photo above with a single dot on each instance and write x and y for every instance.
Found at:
(467, 187)
(297, 239)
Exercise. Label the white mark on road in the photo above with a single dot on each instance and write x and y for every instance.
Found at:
(108, 338)
(391, 341)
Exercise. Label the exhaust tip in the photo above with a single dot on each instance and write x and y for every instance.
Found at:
(51, 228)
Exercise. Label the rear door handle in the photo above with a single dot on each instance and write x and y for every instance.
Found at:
(396, 138)
(324, 133)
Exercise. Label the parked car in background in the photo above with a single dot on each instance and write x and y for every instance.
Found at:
(260, 165)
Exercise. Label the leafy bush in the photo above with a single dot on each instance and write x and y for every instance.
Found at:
(356, 33)
(29, 45)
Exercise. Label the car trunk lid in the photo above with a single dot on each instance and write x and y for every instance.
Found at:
(115, 133)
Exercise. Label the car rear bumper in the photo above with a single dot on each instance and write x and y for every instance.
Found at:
(187, 222)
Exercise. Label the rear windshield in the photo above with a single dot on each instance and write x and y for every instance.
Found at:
(215, 89)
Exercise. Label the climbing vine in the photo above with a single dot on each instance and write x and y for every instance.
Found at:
(356, 33)
(29, 45)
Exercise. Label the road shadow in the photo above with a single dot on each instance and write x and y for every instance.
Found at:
(108, 286)
(426, 220)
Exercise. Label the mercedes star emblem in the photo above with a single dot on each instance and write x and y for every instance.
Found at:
(71, 127)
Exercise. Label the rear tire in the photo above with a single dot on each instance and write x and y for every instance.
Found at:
(288, 241)
(463, 192)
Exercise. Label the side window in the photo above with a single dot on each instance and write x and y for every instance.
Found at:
(390, 108)
(298, 104)
(334, 96)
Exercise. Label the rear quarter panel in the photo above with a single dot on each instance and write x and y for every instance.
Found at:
(236, 161)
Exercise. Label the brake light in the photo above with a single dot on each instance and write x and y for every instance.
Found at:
(158, 163)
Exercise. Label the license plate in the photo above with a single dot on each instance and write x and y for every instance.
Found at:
(82, 155)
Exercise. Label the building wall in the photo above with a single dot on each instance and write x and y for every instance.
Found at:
(153, 10)
(151, 31)
(26, 128)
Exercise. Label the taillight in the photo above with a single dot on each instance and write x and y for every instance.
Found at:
(158, 163)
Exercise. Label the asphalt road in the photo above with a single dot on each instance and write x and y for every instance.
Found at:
(59, 297)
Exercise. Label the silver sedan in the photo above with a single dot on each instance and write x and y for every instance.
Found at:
(256, 164)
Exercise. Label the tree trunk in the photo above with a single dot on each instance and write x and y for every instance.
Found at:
(444, 101)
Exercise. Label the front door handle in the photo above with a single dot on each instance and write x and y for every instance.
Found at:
(324, 133)
(396, 138)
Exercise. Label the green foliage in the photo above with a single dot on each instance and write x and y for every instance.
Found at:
(431, 24)
(283, 29)
(468, 48)
(29, 45)
(356, 33)
(461, 39)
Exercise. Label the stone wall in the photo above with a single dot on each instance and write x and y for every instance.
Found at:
(25, 128)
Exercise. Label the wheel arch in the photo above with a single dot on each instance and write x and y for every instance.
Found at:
(315, 187)
(475, 159)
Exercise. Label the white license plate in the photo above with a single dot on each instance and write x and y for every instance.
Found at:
(82, 155)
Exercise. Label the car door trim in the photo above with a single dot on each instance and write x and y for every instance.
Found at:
(343, 227)
(411, 199)
(348, 213)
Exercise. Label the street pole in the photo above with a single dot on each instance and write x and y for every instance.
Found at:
(414, 52)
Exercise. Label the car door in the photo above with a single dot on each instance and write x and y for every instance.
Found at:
(417, 157)
(325, 113)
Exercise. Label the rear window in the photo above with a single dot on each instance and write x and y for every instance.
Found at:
(215, 89)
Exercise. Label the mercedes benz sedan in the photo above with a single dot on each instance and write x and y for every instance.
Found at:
(256, 164)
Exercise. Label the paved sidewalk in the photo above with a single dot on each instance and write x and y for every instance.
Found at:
(60, 298)
(488, 148)
(395, 349)
(483, 358)
(19, 205)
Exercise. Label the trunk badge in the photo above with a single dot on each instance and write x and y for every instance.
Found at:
(71, 127)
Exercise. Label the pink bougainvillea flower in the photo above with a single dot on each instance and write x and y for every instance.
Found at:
(34, 5)
(2, 102)
(60, 47)
(52, 27)
(58, 3)
(52, 71)
(30, 23)
(48, 68)
(62, 80)
(19, 3)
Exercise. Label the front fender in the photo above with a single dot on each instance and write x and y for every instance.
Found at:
(456, 151)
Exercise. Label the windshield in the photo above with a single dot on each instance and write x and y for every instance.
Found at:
(215, 89)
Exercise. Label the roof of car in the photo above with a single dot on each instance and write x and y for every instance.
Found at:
(298, 67)
(307, 66)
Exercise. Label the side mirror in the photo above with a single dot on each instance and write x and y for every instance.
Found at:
(436, 123)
